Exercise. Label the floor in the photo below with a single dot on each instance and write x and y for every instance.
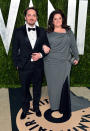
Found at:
(5, 119)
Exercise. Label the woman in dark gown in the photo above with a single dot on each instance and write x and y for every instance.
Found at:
(57, 64)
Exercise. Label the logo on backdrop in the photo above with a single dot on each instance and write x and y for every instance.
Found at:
(7, 31)
(50, 121)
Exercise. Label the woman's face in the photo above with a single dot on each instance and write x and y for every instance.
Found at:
(57, 20)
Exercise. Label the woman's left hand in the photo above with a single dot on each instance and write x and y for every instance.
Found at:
(46, 49)
(75, 62)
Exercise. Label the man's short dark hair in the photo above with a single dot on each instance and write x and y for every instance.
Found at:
(29, 8)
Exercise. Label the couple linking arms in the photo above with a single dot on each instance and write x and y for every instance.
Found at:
(31, 46)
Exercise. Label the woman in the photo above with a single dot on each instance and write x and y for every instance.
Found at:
(57, 64)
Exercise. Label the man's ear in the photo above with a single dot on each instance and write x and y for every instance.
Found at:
(25, 18)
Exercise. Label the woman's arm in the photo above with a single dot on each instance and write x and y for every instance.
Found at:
(74, 49)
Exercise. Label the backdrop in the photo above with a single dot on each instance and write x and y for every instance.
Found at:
(80, 74)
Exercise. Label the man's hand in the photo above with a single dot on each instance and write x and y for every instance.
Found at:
(75, 62)
(46, 49)
(36, 56)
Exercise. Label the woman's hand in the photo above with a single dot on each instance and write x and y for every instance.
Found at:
(46, 49)
(75, 62)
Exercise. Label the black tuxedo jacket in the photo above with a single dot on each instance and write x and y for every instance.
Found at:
(22, 49)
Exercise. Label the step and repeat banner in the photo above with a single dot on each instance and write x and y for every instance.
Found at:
(12, 16)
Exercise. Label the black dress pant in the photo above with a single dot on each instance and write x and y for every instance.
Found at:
(27, 77)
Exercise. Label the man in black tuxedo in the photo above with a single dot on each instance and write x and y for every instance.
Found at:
(28, 59)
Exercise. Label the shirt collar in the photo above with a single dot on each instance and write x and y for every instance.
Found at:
(28, 26)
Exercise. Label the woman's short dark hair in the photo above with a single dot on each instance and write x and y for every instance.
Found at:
(50, 21)
(30, 8)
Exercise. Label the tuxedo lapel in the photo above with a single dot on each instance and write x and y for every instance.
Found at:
(38, 35)
(27, 41)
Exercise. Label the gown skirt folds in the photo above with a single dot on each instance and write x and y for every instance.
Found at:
(57, 66)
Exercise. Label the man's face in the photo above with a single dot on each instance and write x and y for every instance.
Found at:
(31, 17)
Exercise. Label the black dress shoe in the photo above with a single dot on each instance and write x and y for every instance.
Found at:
(38, 113)
(23, 115)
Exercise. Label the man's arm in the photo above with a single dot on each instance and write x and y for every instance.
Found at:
(45, 46)
(15, 49)
(44, 51)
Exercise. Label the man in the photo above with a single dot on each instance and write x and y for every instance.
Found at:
(28, 59)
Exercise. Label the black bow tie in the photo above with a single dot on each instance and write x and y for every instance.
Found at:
(29, 29)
